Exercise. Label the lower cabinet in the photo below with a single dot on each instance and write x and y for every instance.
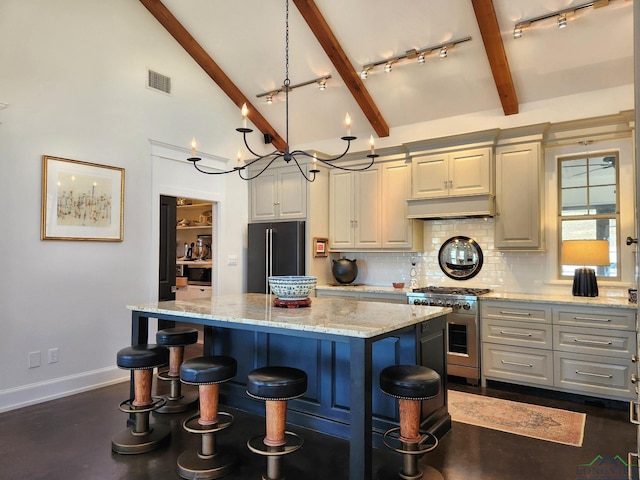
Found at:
(190, 292)
(583, 350)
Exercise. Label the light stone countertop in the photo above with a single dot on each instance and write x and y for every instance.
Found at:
(325, 315)
(604, 300)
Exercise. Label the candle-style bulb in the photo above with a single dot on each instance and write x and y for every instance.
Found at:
(314, 164)
(347, 122)
(239, 158)
(194, 146)
(245, 112)
(372, 144)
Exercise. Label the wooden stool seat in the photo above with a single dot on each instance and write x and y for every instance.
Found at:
(141, 437)
(276, 385)
(410, 384)
(175, 339)
(207, 373)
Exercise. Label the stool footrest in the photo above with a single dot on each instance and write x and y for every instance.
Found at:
(293, 442)
(191, 424)
(128, 407)
(399, 446)
(164, 375)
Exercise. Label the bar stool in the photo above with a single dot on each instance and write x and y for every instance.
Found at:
(207, 373)
(175, 339)
(141, 437)
(410, 384)
(276, 385)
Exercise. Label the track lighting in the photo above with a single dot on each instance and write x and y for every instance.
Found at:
(419, 55)
(561, 16)
(320, 81)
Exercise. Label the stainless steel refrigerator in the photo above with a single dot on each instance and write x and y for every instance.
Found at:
(275, 248)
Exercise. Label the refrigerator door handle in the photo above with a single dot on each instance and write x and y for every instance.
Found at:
(269, 257)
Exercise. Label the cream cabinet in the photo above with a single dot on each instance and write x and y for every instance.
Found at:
(363, 295)
(355, 220)
(398, 231)
(280, 193)
(452, 174)
(572, 348)
(519, 222)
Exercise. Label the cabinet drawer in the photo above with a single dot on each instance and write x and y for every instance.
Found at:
(517, 364)
(533, 335)
(619, 319)
(595, 375)
(595, 341)
(520, 312)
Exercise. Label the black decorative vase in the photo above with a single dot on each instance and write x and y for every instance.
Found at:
(344, 270)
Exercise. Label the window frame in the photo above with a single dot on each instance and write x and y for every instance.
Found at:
(615, 216)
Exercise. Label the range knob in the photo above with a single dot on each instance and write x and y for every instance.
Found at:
(417, 301)
(448, 303)
(439, 303)
(432, 303)
(466, 306)
(457, 305)
(425, 302)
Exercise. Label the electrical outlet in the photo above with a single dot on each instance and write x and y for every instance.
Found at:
(53, 355)
(34, 359)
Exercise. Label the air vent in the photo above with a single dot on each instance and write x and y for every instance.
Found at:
(159, 82)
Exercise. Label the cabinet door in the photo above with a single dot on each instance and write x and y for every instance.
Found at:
(264, 196)
(470, 172)
(430, 176)
(341, 210)
(518, 197)
(367, 204)
(397, 229)
(292, 193)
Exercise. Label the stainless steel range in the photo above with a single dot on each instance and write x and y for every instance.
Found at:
(463, 339)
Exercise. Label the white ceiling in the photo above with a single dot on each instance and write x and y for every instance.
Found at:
(246, 39)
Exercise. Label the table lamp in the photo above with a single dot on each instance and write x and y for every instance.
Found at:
(585, 252)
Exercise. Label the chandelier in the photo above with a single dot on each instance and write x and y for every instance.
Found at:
(287, 155)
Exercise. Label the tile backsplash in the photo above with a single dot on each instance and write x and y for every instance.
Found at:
(521, 272)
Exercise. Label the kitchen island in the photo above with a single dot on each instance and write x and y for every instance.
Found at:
(341, 344)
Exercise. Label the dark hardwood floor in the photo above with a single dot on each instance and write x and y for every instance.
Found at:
(70, 439)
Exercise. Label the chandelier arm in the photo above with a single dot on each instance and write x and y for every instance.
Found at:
(222, 172)
(350, 169)
(261, 171)
(302, 172)
(246, 144)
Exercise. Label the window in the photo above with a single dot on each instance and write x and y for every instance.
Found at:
(588, 205)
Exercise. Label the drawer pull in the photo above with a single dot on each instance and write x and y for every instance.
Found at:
(521, 314)
(515, 334)
(590, 319)
(592, 342)
(591, 374)
(516, 364)
(634, 379)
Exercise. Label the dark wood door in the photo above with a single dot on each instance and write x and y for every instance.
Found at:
(167, 260)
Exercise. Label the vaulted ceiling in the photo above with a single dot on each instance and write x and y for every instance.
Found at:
(241, 46)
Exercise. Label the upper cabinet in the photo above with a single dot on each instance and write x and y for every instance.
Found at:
(368, 209)
(519, 220)
(278, 194)
(466, 172)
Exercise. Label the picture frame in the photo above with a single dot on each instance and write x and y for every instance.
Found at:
(81, 201)
(320, 247)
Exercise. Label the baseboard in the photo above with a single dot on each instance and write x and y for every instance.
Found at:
(32, 394)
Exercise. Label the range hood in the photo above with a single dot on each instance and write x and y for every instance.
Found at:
(471, 206)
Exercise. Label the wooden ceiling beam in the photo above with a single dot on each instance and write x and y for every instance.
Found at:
(490, 31)
(351, 78)
(202, 58)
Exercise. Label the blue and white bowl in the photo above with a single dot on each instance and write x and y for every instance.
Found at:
(292, 287)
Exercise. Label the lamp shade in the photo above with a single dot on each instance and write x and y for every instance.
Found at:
(585, 252)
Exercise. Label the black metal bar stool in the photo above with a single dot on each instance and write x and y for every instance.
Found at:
(276, 385)
(141, 437)
(175, 339)
(410, 384)
(207, 373)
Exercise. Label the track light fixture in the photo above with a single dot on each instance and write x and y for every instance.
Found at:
(286, 154)
(561, 16)
(320, 81)
(419, 56)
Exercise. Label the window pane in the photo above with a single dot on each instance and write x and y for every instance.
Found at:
(602, 199)
(574, 201)
(573, 173)
(602, 170)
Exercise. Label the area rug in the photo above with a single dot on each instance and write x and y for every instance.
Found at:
(543, 423)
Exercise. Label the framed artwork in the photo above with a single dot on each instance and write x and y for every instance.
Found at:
(320, 247)
(81, 201)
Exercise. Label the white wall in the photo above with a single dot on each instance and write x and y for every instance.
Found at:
(74, 77)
